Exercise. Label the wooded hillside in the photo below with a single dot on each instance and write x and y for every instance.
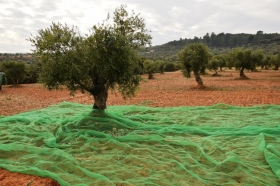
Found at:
(218, 43)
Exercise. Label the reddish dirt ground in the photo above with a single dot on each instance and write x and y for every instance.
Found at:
(166, 90)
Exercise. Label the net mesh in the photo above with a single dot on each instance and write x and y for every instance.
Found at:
(136, 145)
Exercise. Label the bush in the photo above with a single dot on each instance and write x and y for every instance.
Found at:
(15, 71)
(170, 67)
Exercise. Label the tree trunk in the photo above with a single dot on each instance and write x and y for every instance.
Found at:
(215, 74)
(100, 95)
(241, 74)
(198, 79)
(151, 76)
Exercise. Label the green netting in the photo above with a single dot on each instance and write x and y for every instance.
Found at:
(133, 145)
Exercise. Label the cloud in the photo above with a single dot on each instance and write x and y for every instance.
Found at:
(168, 20)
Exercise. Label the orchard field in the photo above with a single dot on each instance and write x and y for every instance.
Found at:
(172, 104)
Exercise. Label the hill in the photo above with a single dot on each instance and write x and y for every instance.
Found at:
(218, 43)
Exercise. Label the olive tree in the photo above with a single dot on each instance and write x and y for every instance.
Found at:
(104, 59)
(275, 61)
(150, 67)
(217, 62)
(160, 65)
(214, 65)
(15, 71)
(242, 59)
(194, 58)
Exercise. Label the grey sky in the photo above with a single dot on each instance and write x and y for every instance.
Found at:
(167, 20)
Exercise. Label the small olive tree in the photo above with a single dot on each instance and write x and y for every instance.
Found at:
(160, 66)
(213, 65)
(15, 71)
(275, 61)
(150, 68)
(194, 58)
(104, 59)
(217, 62)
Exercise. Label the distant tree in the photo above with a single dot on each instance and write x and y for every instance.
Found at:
(213, 39)
(170, 67)
(206, 39)
(196, 39)
(150, 68)
(222, 60)
(259, 32)
(265, 62)
(275, 61)
(31, 73)
(242, 59)
(160, 65)
(15, 71)
(258, 56)
(213, 64)
(194, 58)
(105, 59)
(250, 38)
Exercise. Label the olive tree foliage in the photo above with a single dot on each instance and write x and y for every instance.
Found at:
(258, 57)
(104, 59)
(275, 61)
(150, 68)
(170, 67)
(160, 65)
(214, 65)
(15, 71)
(265, 63)
(194, 58)
(217, 62)
(243, 59)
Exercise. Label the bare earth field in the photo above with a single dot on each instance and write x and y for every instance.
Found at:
(166, 90)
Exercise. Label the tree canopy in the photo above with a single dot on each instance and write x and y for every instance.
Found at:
(194, 58)
(15, 71)
(102, 60)
(243, 59)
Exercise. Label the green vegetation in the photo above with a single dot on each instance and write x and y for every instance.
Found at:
(105, 59)
(243, 59)
(264, 49)
(274, 60)
(150, 68)
(194, 58)
(15, 71)
(217, 62)
(221, 43)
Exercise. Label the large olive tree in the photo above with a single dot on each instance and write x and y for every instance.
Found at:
(102, 60)
(194, 58)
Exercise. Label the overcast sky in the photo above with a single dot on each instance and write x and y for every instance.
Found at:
(168, 20)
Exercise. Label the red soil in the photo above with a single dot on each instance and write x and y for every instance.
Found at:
(166, 90)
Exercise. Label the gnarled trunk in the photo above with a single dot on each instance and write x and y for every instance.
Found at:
(241, 73)
(100, 95)
(198, 79)
(150, 76)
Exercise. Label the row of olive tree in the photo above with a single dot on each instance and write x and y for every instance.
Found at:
(196, 57)
(159, 66)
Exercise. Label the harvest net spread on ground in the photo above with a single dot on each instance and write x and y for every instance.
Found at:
(134, 145)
